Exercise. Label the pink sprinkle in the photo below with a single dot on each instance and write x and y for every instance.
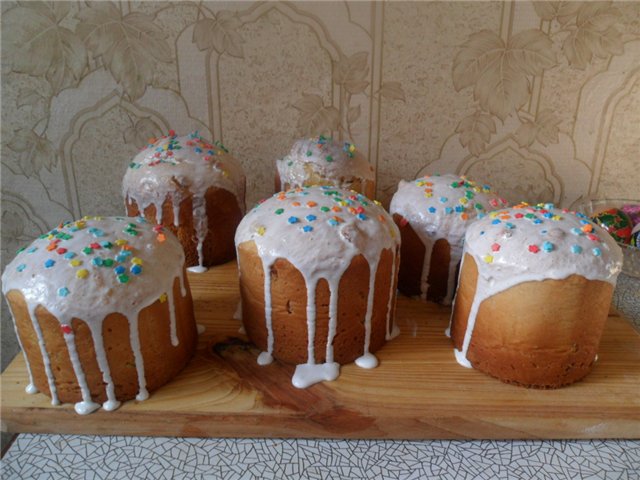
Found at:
(495, 247)
(493, 202)
(403, 222)
(534, 248)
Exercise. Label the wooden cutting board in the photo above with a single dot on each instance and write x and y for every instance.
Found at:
(417, 392)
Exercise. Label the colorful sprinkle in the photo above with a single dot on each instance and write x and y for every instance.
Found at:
(123, 278)
(136, 269)
(311, 218)
(163, 298)
(49, 263)
(548, 247)
(119, 270)
(279, 211)
(97, 261)
(362, 216)
(293, 220)
(63, 292)
(82, 273)
(21, 267)
(75, 263)
(495, 247)
(576, 249)
(597, 252)
(534, 248)
(307, 228)
(66, 329)
(136, 261)
(488, 258)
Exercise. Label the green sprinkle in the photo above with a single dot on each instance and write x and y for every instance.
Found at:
(279, 211)
(329, 158)
(325, 209)
(87, 250)
(21, 249)
(107, 262)
(123, 278)
(309, 153)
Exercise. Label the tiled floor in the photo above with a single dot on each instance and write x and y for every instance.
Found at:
(86, 457)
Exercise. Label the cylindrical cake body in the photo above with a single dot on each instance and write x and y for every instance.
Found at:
(194, 188)
(102, 310)
(432, 213)
(533, 296)
(318, 272)
(321, 161)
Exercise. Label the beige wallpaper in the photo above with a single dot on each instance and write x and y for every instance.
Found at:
(540, 99)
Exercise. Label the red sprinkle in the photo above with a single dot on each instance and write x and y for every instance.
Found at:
(66, 329)
(403, 222)
(172, 133)
(95, 246)
(534, 248)
(592, 237)
(61, 250)
(518, 215)
(495, 247)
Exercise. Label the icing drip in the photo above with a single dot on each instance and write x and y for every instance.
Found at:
(346, 224)
(180, 168)
(86, 406)
(89, 269)
(440, 208)
(30, 388)
(321, 157)
(526, 243)
(367, 360)
(43, 351)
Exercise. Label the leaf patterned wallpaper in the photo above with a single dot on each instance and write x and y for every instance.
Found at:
(540, 99)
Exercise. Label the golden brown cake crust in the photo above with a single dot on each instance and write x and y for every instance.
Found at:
(162, 360)
(289, 315)
(542, 334)
(223, 216)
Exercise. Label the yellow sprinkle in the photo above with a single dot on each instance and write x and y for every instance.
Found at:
(81, 224)
(121, 241)
(556, 218)
(75, 262)
(163, 298)
(219, 152)
(463, 200)
(488, 258)
(428, 195)
(493, 214)
(82, 273)
(377, 202)
(86, 217)
(352, 148)
(420, 183)
(136, 261)
(225, 173)
(261, 230)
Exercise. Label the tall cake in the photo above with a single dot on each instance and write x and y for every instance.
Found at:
(194, 188)
(323, 161)
(318, 271)
(534, 294)
(433, 213)
(102, 311)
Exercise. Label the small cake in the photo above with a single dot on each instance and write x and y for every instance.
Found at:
(433, 213)
(318, 271)
(323, 161)
(534, 292)
(102, 311)
(194, 188)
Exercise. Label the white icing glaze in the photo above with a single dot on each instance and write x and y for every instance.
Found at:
(180, 168)
(526, 243)
(89, 269)
(337, 164)
(441, 207)
(320, 230)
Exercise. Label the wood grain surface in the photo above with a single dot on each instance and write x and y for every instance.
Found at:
(417, 392)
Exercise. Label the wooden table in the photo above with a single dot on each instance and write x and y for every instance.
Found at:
(417, 392)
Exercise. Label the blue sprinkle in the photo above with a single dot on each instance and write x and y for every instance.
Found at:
(63, 292)
(120, 257)
(333, 222)
(482, 232)
(496, 221)
(443, 199)
(136, 269)
(459, 208)
(584, 222)
(21, 267)
(549, 206)
(211, 152)
(32, 249)
(509, 225)
(577, 231)
(597, 252)
(362, 216)
(576, 249)
(432, 209)
(311, 218)
(97, 261)
(307, 228)
(448, 210)
(537, 221)
(481, 215)
(126, 253)
(141, 220)
(49, 263)
(119, 269)
(543, 232)
(293, 220)
(548, 247)
(198, 150)
(547, 215)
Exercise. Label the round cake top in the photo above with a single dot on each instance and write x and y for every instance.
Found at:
(173, 164)
(540, 242)
(325, 158)
(319, 229)
(92, 267)
(442, 206)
